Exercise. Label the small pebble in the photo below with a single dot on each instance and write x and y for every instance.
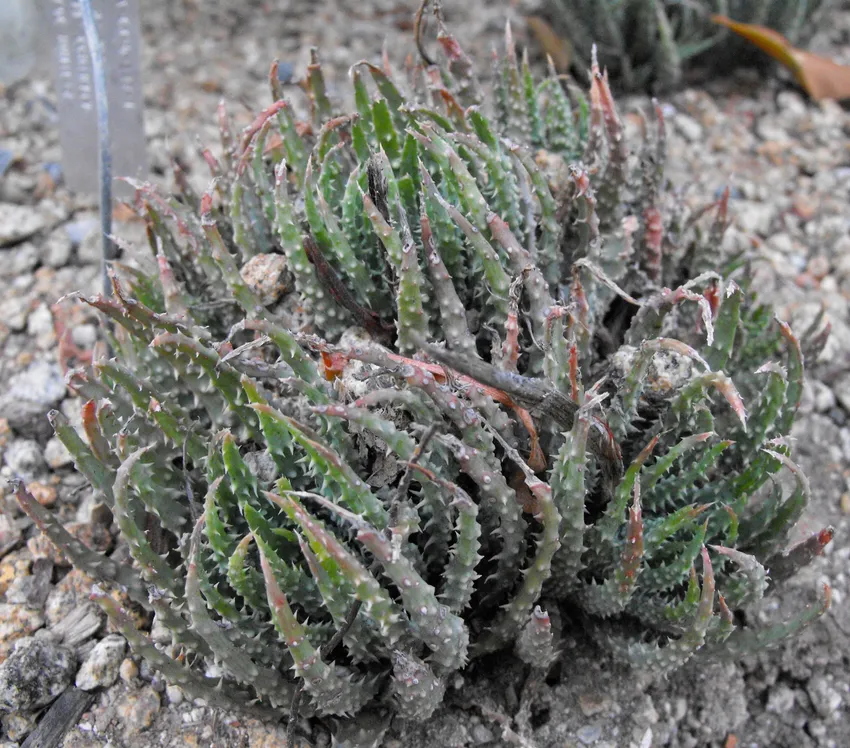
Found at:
(90, 249)
(16, 622)
(593, 702)
(825, 698)
(78, 230)
(68, 594)
(781, 699)
(754, 217)
(19, 222)
(18, 725)
(7, 158)
(285, 71)
(102, 664)
(14, 565)
(482, 734)
(56, 454)
(56, 250)
(691, 129)
(32, 589)
(160, 633)
(40, 327)
(42, 492)
(128, 671)
(23, 456)
(824, 397)
(32, 392)
(84, 336)
(262, 465)
(589, 734)
(35, 674)
(266, 275)
(19, 260)
(137, 710)
(818, 266)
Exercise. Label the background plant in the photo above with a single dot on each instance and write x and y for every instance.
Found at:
(648, 43)
(507, 382)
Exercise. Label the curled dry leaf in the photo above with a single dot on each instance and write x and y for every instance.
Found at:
(820, 77)
(555, 46)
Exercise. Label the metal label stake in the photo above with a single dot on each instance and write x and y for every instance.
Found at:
(117, 24)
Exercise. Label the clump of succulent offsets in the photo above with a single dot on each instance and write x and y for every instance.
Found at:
(511, 378)
(649, 43)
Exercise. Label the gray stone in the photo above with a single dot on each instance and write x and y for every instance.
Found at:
(23, 456)
(818, 729)
(41, 381)
(31, 394)
(754, 217)
(262, 465)
(781, 699)
(128, 671)
(768, 129)
(91, 247)
(17, 726)
(40, 327)
(266, 275)
(842, 391)
(589, 734)
(32, 589)
(18, 260)
(84, 336)
(19, 222)
(137, 710)
(160, 633)
(841, 259)
(668, 371)
(792, 104)
(482, 734)
(56, 454)
(644, 713)
(691, 129)
(57, 248)
(35, 674)
(76, 231)
(593, 702)
(10, 532)
(14, 309)
(174, 694)
(824, 397)
(26, 418)
(101, 666)
(825, 698)
(16, 622)
(844, 436)
(646, 739)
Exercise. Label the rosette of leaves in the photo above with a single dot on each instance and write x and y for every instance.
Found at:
(649, 43)
(544, 396)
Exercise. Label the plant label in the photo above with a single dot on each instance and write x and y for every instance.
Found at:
(118, 27)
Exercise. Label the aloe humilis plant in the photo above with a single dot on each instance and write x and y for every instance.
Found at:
(649, 42)
(508, 380)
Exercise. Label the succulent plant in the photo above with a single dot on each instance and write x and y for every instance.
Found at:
(507, 383)
(647, 43)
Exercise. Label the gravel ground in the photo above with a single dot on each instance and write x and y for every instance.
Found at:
(788, 163)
